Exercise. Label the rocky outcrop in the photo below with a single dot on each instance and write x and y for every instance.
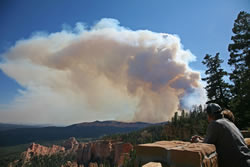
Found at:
(97, 153)
(121, 152)
(177, 153)
(37, 149)
(71, 144)
(86, 153)
(103, 150)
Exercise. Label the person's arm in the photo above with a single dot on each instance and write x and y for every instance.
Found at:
(197, 139)
(212, 133)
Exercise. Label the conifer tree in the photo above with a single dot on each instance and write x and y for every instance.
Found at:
(240, 62)
(217, 88)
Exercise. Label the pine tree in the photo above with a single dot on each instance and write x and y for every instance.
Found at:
(240, 62)
(217, 88)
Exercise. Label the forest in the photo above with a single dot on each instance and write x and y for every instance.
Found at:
(231, 89)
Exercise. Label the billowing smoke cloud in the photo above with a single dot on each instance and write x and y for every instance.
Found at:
(104, 72)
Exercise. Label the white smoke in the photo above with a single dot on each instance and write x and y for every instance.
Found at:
(105, 72)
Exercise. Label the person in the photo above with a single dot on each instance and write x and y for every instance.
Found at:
(228, 115)
(230, 145)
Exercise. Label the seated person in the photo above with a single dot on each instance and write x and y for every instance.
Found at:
(230, 145)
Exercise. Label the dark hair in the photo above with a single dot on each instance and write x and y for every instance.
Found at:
(228, 114)
(214, 111)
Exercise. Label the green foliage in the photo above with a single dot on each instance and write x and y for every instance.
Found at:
(106, 163)
(28, 135)
(217, 89)
(146, 135)
(237, 96)
(240, 62)
(130, 161)
(50, 160)
(10, 154)
(187, 124)
(181, 128)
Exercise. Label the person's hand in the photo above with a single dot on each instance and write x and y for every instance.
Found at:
(196, 139)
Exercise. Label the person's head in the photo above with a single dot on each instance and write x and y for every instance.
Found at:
(213, 112)
(228, 114)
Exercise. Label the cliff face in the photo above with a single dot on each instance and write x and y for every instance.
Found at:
(103, 150)
(85, 153)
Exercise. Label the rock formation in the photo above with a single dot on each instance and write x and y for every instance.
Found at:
(86, 153)
(121, 151)
(71, 144)
(103, 150)
(177, 153)
(37, 149)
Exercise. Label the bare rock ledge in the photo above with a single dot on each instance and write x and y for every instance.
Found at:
(177, 154)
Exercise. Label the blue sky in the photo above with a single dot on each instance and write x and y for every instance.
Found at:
(203, 26)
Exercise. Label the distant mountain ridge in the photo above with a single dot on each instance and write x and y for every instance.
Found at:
(94, 129)
(8, 126)
(113, 124)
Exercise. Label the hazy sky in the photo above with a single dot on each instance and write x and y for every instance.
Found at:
(30, 29)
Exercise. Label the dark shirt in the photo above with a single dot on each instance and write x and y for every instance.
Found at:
(230, 145)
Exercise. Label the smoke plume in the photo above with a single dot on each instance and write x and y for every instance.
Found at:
(103, 72)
